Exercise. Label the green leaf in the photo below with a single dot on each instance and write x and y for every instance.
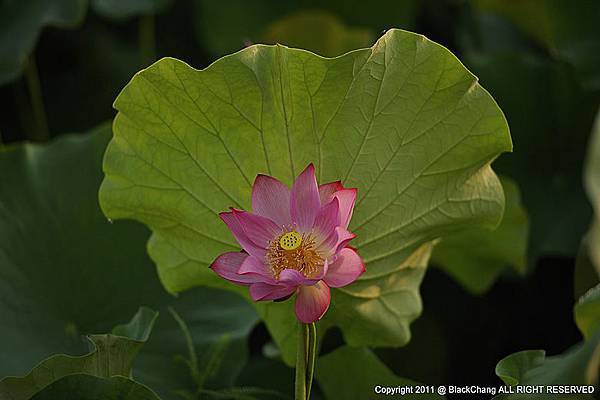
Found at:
(118, 9)
(579, 365)
(353, 374)
(477, 257)
(403, 121)
(112, 355)
(218, 324)
(585, 276)
(22, 22)
(87, 387)
(512, 368)
(224, 26)
(86, 274)
(53, 294)
(591, 180)
(320, 32)
(267, 373)
(139, 327)
(587, 312)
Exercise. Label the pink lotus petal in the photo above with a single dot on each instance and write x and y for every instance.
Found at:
(240, 235)
(326, 221)
(227, 265)
(327, 190)
(291, 277)
(312, 302)
(346, 197)
(343, 237)
(271, 199)
(256, 266)
(346, 269)
(263, 291)
(304, 200)
(260, 230)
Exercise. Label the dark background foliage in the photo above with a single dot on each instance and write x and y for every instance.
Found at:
(539, 59)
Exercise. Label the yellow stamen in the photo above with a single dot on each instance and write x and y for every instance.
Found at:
(294, 251)
(290, 241)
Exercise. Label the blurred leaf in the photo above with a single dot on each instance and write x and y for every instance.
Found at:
(59, 254)
(224, 26)
(85, 274)
(87, 387)
(476, 258)
(550, 119)
(267, 373)
(21, 23)
(580, 365)
(591, 180)
(102, 69)
(429, 340)
(120, 9)
(112, 355)
(353, 373)
(568, 29)
(586, 276)
(587, 312)
(489, 32)
(577, 366)
(403, 121)
(243, 393)
(512, 368)
(319, 32)
(216, 320)
(140, 326)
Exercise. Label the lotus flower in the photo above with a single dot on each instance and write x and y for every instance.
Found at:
(295, 242)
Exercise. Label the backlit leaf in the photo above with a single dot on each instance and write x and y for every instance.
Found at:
(477, 257)
(403, 121)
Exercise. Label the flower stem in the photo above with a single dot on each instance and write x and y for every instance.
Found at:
(312, 355)
(301, 361)
(305, 360)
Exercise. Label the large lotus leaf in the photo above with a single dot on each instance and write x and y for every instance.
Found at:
(88, 387)
(477, 257)
(550, 119)
(66, 270)
(403, 121)
(224, 26)
(22, 22)
(354, 373)
(119, 9)
(320, 32)
(112, 355)
(568, 29)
